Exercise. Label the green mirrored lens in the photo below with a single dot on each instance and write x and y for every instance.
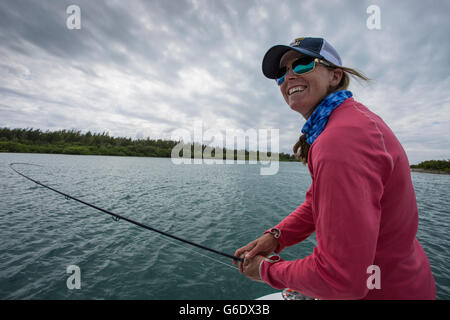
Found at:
(302, 68)
(302, 65)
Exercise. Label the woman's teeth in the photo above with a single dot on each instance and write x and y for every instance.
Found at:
(296, 89)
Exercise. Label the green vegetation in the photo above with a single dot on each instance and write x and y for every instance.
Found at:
(438, 166)
(75, 142)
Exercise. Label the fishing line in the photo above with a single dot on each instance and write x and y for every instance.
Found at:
(204, 255)
(117, 217)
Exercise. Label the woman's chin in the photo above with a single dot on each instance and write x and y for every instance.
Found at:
(303, 110)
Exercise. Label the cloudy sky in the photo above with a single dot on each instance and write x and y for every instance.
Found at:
(145, 68)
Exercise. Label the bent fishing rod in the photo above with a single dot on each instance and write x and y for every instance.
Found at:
(118, 217)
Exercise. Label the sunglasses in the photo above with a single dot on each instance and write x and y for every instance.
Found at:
(300, 66)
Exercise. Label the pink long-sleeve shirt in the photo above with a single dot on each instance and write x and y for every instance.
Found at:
(362, 206)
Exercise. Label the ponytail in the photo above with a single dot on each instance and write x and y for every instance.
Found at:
(301, 149)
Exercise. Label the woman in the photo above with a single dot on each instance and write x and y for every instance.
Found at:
(361, 202)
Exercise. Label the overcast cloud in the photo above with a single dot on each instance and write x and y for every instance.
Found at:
(146, 68)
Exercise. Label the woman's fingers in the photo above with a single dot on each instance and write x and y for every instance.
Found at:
(254, 251)
(242, 264)
(251, 267)
(245, 248)
(264, 246)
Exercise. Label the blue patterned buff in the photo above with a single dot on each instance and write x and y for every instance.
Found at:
(318, 120)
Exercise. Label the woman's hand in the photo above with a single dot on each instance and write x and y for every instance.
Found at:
(262, 246)
(251, 267)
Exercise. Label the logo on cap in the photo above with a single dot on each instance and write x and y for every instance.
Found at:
(296, 42)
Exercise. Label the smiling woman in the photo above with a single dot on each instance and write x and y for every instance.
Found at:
(361, 203)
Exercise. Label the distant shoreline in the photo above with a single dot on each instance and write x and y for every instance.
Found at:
(74, 142)
(429, 171)
(432, 166)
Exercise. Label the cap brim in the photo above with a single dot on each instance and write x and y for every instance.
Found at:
(271, 61)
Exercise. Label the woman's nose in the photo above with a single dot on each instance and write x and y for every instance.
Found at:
(290, 74)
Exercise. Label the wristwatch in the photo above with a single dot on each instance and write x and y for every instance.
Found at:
(275, 232)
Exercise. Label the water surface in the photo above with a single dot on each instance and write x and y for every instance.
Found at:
(220, 206)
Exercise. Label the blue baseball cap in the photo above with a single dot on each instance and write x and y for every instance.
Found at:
(313, 47)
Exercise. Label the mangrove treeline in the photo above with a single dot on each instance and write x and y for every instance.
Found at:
(434, 165)
(74, 142)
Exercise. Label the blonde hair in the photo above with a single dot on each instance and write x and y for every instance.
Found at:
(301, 147)
(347, 73)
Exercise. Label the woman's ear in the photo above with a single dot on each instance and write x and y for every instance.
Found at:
(336, 76)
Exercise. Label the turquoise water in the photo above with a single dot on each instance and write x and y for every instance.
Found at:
(220, 206)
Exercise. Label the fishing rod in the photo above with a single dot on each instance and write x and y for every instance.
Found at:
(117, 217)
